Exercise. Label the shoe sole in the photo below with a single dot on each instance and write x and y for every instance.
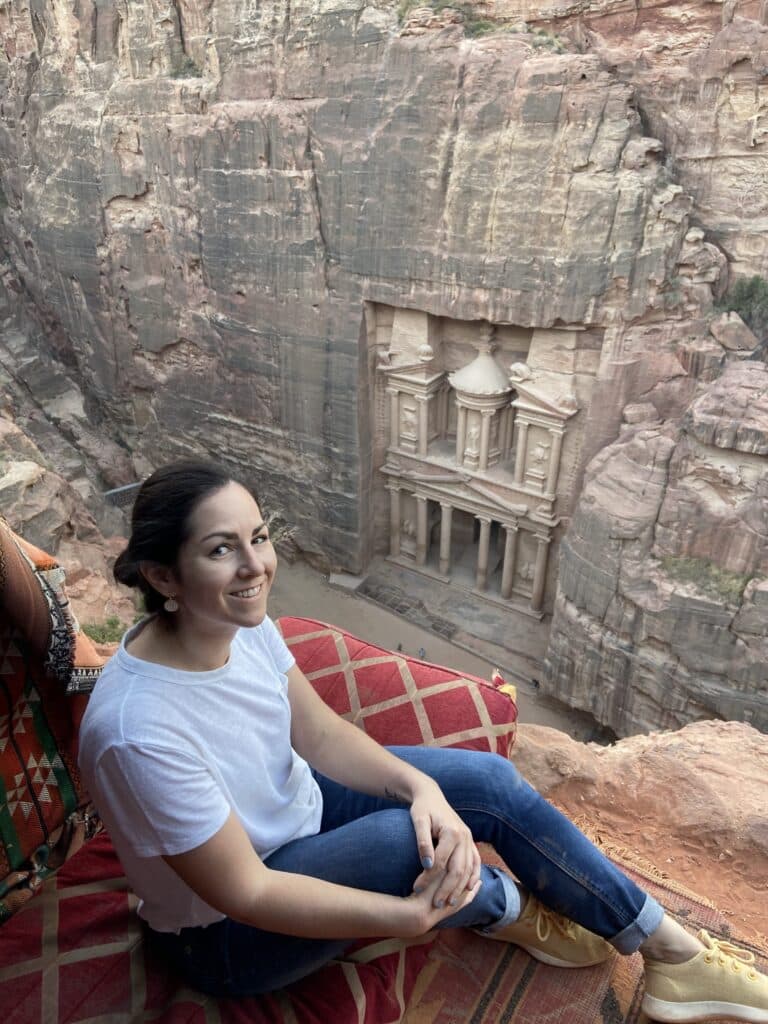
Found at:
(553, 961)
(708, 1009)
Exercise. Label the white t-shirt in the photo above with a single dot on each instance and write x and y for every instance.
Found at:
(166, 755)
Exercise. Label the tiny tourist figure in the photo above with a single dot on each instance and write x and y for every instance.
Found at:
(263, 833)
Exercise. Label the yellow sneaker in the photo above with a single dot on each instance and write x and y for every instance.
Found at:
(552, 938)
(721, 981)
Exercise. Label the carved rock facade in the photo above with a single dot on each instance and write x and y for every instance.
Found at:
(474, 451)
(203, 197)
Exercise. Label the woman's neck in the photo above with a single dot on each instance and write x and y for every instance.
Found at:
(176, 645)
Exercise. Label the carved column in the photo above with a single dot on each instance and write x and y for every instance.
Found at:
(394, 418)
(445, 538)
(540, 572)
(394, 520)
(421, 530)
(423, 427)
(554, 460)
(485, 440)
(443, 407)
(510, 557)
(481, 580)
(461, 434)
(522, 443)
(509, 421)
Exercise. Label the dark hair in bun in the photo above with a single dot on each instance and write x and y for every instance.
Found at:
(161, 517)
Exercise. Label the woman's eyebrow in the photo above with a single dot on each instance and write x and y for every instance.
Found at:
(229, 536)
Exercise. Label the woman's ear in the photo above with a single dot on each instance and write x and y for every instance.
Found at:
(161, 577)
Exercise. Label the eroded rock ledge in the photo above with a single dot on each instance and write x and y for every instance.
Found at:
(691, 802)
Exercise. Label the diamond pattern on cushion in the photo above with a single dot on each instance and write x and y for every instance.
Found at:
(398, 699)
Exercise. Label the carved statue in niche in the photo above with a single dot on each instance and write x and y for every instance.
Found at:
(409, 422)
(540, 452)
(408, 528)
(473, 439)
(527, 571)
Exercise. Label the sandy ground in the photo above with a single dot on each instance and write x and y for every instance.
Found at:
(300, 590)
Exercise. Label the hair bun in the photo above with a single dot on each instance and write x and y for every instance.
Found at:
(126, 571)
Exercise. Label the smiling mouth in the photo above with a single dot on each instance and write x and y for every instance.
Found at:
(250, 592)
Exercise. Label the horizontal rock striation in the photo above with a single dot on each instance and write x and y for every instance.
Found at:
(204, 202)
(203, 196)
(699, 75)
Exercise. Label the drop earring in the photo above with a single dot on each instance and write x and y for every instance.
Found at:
(171, 604)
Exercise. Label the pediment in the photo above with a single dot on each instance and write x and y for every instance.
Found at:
(534, 397)
(459, 487)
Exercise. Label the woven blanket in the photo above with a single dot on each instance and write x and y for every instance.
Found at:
(466, 982)
(76, 954)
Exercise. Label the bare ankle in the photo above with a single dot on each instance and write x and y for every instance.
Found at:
(670, 943)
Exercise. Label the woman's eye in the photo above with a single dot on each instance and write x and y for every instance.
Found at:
(219, 550)
(261, 539)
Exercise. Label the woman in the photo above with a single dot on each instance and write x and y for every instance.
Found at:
(263, 833)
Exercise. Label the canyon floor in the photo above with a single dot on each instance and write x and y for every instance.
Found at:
(301, 590)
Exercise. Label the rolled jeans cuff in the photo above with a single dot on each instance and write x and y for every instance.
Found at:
(645, 924)
(513, 905)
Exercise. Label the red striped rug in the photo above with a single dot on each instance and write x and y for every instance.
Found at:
(469, 980)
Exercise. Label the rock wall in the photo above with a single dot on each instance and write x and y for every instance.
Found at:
(204, 195)
(698, 71)
(669, 799)
(47, 510)
(663, 587)
(199, 201)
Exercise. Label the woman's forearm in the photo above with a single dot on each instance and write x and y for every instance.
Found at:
(299, 905)
(344, 753)
(353, 759)
(227, 874)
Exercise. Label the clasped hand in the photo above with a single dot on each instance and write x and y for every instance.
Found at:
(451, 861)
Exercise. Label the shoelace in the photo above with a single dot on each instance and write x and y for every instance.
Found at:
(728, 955)
(547, 919)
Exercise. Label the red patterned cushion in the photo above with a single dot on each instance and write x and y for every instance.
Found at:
(398, 699)
(41, 652)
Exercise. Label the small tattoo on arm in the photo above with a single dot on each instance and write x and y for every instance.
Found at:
(394, 795)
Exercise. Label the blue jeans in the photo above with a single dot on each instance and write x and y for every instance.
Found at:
(369, 843)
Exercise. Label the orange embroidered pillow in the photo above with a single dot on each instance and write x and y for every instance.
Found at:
(42, 656)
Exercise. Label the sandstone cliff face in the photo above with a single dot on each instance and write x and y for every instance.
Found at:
(660, 612)
(698, 71)
(205, 195)
(202, 199)
(54, 466)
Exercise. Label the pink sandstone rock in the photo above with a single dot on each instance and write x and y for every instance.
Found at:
(691, 803)
(655, 624)
(732, 333)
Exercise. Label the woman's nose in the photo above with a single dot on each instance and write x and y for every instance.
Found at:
(252, 563)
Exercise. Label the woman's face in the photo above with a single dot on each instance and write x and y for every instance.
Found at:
(226, 566)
